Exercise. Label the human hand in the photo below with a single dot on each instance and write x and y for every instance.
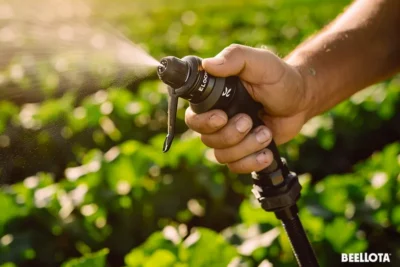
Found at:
(278, 86)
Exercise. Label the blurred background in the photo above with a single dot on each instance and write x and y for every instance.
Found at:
(83, 118)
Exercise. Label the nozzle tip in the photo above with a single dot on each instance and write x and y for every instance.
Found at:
(173, 71)
(161, 68)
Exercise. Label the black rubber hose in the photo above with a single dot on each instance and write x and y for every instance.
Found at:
(301, 246)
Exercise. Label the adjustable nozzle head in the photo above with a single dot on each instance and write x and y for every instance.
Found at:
(173, 71)
(184, 76)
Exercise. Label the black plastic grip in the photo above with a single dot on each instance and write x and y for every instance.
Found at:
(242, 102)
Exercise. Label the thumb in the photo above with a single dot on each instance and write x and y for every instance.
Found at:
(253, 65)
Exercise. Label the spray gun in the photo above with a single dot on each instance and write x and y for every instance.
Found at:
(276, 188)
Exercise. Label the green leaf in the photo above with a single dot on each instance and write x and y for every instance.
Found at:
(7, 110)
(161, 258)
(339, 233)
(122, 169)
(9, 210)
(135, 258)
(253, 214)
(396, 215)
(142, 254)
(203, 252)
(97, 259)
(159, 251)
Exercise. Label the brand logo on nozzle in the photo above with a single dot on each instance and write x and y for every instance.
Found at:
(226, 92)
(204, 82)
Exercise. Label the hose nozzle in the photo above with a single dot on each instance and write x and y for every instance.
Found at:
(173, 72)
(185, 79)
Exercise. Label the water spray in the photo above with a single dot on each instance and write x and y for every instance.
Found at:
(275, 187)
(52, 47)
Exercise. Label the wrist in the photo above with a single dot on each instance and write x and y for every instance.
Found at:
(310, 87)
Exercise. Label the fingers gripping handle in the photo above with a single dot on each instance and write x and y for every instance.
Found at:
(277, 162)
(243, 103)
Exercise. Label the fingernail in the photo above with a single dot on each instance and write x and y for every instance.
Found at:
(243, 125)
(262, 157)
(215, 60)
(263, 136)
(216, 121)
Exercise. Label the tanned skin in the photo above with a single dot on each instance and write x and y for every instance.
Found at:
(359, 48)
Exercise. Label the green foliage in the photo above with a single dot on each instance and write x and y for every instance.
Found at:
(94, 259)
(169, 249)
(83, 172)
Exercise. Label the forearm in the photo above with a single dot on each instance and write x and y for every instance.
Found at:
(359, 48)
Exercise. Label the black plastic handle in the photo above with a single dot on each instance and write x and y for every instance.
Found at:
(242, 102)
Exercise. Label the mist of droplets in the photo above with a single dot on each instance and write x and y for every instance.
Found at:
(50, 46)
